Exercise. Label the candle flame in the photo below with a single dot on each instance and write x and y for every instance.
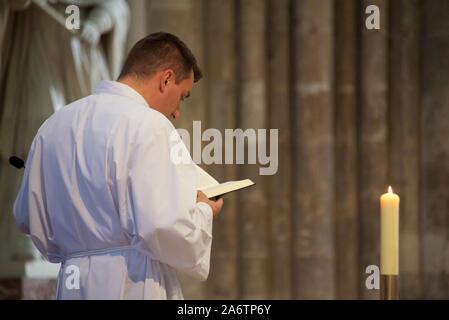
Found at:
(390, 190)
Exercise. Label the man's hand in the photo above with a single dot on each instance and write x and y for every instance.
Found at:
(215, 205)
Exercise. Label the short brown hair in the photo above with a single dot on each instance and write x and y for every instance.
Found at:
(159, 51)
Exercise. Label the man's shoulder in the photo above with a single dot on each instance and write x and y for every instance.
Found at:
(63, 114)
(126, 113)
(150, 119)
(129, 109)
(152, 123)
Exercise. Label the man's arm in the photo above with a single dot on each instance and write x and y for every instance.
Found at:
(30, 211)
(176, 229)
(215, 205)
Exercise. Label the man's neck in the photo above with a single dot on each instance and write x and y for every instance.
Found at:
(138, 87)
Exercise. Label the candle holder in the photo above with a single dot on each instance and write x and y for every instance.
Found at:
(389, 287)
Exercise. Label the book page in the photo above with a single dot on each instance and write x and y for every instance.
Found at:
(205, 180)
(226, 187)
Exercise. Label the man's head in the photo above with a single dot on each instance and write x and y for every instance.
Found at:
(162, 69)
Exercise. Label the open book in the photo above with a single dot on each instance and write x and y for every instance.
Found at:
(212, 188)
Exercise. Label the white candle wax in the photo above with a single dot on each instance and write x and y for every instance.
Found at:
(389, 234)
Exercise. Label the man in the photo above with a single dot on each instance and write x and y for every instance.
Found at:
(100, 193)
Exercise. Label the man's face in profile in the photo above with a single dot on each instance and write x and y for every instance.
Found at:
(173, 94)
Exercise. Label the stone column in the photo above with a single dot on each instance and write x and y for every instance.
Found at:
(435, 149)
(313, 150)
(280, 211)
(221, 85)
(404, 136)
(346, 191)
(372, 144)
(252, 114)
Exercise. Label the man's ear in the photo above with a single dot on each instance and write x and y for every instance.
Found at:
(167, 78)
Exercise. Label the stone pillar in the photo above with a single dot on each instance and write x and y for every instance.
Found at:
(346, 192)
(220, 80)
(372, 144)
(313, 150)
(435, 149)
(404, 138)
(280, 212)
(252, 205)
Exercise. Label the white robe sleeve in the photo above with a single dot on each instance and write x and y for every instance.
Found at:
(30, 208)
(162, 198)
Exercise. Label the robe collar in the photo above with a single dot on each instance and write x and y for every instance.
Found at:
(121, 89)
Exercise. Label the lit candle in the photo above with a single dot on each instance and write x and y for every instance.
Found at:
(389, 233)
